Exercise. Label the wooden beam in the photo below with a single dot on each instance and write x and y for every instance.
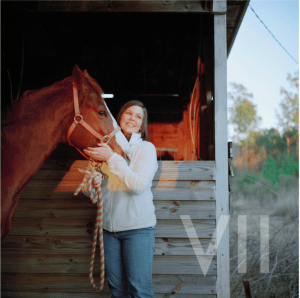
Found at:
(237, 23)
(221, 152)
(218, 6)
(178, 6)
(209, 86)
(247, 288)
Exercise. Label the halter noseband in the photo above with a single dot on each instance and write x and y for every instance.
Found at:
(78, 119)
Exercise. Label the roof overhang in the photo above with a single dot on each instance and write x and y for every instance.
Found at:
(234, 9)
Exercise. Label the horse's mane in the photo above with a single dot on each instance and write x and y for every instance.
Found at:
(14, 111)
(44, 92)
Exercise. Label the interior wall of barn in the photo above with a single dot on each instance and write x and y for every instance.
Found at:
(149, 57)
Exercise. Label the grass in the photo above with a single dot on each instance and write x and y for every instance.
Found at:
(280, 202)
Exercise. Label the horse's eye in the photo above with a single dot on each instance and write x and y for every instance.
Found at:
(102, 114)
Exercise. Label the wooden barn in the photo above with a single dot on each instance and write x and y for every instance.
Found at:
(171, 55)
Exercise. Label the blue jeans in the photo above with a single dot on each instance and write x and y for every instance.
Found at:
(128, 262)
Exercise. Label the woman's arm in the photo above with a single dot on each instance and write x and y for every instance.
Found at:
(145, 165)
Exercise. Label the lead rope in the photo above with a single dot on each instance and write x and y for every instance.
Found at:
(97, 198)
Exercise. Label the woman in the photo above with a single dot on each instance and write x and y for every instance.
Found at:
(128, 211)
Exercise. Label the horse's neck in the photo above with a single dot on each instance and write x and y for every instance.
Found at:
(30, 140)
(47, 118)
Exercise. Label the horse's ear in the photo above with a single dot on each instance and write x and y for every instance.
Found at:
(77, 75)
(80, 80)
(86, 90)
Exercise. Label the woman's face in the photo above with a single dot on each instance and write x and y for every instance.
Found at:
(131, 120)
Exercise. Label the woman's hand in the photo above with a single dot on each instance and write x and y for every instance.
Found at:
(97, 180)
(101, 153)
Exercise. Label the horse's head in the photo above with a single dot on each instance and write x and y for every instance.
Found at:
(96, 114)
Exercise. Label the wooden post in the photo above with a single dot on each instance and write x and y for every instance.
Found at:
(221, 151)
(247, 289)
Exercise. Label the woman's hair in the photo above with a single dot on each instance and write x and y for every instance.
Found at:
(144, 126)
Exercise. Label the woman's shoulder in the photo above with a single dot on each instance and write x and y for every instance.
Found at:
(146, 146)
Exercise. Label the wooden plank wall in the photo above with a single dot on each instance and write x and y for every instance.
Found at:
(176, 138)
(47, 252)
(173, 136)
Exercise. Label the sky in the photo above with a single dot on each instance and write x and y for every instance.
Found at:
(258, 62)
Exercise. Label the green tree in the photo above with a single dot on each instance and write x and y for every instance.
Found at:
(243, 116)
(292, 138)
(271, 140)
(270, 170)
(252, 140)
(289, 166)
(288, 116)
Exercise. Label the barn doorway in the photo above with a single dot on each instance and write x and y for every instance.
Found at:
(155, 58)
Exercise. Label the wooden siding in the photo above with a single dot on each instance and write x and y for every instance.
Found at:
(47, 252)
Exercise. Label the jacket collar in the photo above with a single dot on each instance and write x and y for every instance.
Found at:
(135, 138)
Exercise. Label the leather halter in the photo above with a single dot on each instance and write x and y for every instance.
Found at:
(78, 119)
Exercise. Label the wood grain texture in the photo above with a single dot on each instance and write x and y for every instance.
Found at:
(181, 170)
(83, 245)
(7, 294)
(49, 283)
(221, 152)
(84, 208)
(66, 285)
(77, 264)
(83, 227)
(185, 170)
(162, 190)
(51, 236)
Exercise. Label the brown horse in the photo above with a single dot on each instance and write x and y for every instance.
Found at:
(37, 122)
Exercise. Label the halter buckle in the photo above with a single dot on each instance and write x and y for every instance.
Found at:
(81, 118)
(106, 139)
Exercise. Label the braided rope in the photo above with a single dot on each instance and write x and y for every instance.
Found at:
(97, 198)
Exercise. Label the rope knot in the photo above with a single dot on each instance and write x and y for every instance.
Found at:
(95, 196)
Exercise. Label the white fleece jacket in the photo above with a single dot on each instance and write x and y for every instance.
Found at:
(127, 196)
